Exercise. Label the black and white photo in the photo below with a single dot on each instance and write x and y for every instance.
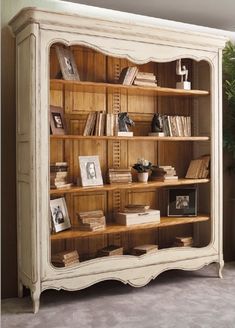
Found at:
(57, 123)
(59, 214)
(90, 171)
(182, 201)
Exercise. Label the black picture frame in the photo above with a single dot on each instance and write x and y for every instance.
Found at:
(182, 201)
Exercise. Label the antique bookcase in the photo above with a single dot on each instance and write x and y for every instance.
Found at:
(101, 48)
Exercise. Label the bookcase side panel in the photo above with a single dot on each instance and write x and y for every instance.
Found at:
(27, 182)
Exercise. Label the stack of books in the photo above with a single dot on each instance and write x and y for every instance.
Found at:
(100, 124)
(170, 173)
(199, 168)
(183, 241)
(144, 249)
(65, 259)
(119, 176)
(91, 220)
(111, 250)
(145, 79)
(128, 75)
(128, 219)
(136, 208)
(59, 175)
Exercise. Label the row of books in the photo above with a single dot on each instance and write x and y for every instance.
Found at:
(139, 250)
(59, 175)
(91, 220)
(199, 168)
(71, 258)
(100, 124)
(176, 126)
(131, 75)
(119, 176)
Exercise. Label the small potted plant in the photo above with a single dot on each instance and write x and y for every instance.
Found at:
(142, 167)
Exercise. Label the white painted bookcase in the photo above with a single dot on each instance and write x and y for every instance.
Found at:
(140, 42)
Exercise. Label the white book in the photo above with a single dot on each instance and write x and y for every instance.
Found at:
(128, 219)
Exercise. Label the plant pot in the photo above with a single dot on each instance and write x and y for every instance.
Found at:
(143, 177)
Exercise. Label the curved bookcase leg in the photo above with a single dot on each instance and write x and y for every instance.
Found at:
(221, 266)
(20, 289)
(35, 295)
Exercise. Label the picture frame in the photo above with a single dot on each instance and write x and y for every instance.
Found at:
(67, 64)
(57, 122)
(59, 214)
(90, 171)
(182, 201)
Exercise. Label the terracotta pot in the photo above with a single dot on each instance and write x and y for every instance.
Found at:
(143, 177)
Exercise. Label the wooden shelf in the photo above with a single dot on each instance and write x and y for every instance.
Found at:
(165, 222)
(126, 186)
(100, 87)
(134, 138)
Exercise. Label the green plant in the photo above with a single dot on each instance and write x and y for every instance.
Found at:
(229, 88)
(142, 165)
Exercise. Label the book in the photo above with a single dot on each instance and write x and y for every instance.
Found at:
(145, 76)
(145, 83)
(128, 219)
(170, 177)
(65, 255)
(111, 250)
(89, 214)
(198, 168)
(136, 208)
(183, 241)
(144, 249)
(127, 75)
(124, 133)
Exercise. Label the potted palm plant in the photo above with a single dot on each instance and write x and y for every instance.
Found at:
(143, 166)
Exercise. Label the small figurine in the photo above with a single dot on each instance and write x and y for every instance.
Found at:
(123, 122)
(181, 71)
(157, 126)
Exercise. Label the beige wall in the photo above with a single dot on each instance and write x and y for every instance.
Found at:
(9, 256)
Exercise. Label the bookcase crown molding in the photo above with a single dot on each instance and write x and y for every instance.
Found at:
(122, 28)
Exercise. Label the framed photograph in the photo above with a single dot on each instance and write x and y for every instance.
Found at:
(57, 122)
(67, 63)
(59, 214)
(182, 202)
(90, 171)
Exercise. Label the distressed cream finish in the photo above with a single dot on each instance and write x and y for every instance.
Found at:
(36, 30)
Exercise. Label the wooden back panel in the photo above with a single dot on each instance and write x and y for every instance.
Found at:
(97, 67)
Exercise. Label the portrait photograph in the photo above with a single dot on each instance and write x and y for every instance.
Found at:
(182, 202)
(90, 171)
(67, 64)
(57, 122)
(59, 214)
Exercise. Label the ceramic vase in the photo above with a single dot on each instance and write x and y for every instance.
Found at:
(143, 176)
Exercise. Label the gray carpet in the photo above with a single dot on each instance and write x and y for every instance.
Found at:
(176, 299)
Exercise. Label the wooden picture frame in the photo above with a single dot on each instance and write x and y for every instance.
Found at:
(57, 122)
(90, 171)
(182, 201)
(67, 64)
(59, 214)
